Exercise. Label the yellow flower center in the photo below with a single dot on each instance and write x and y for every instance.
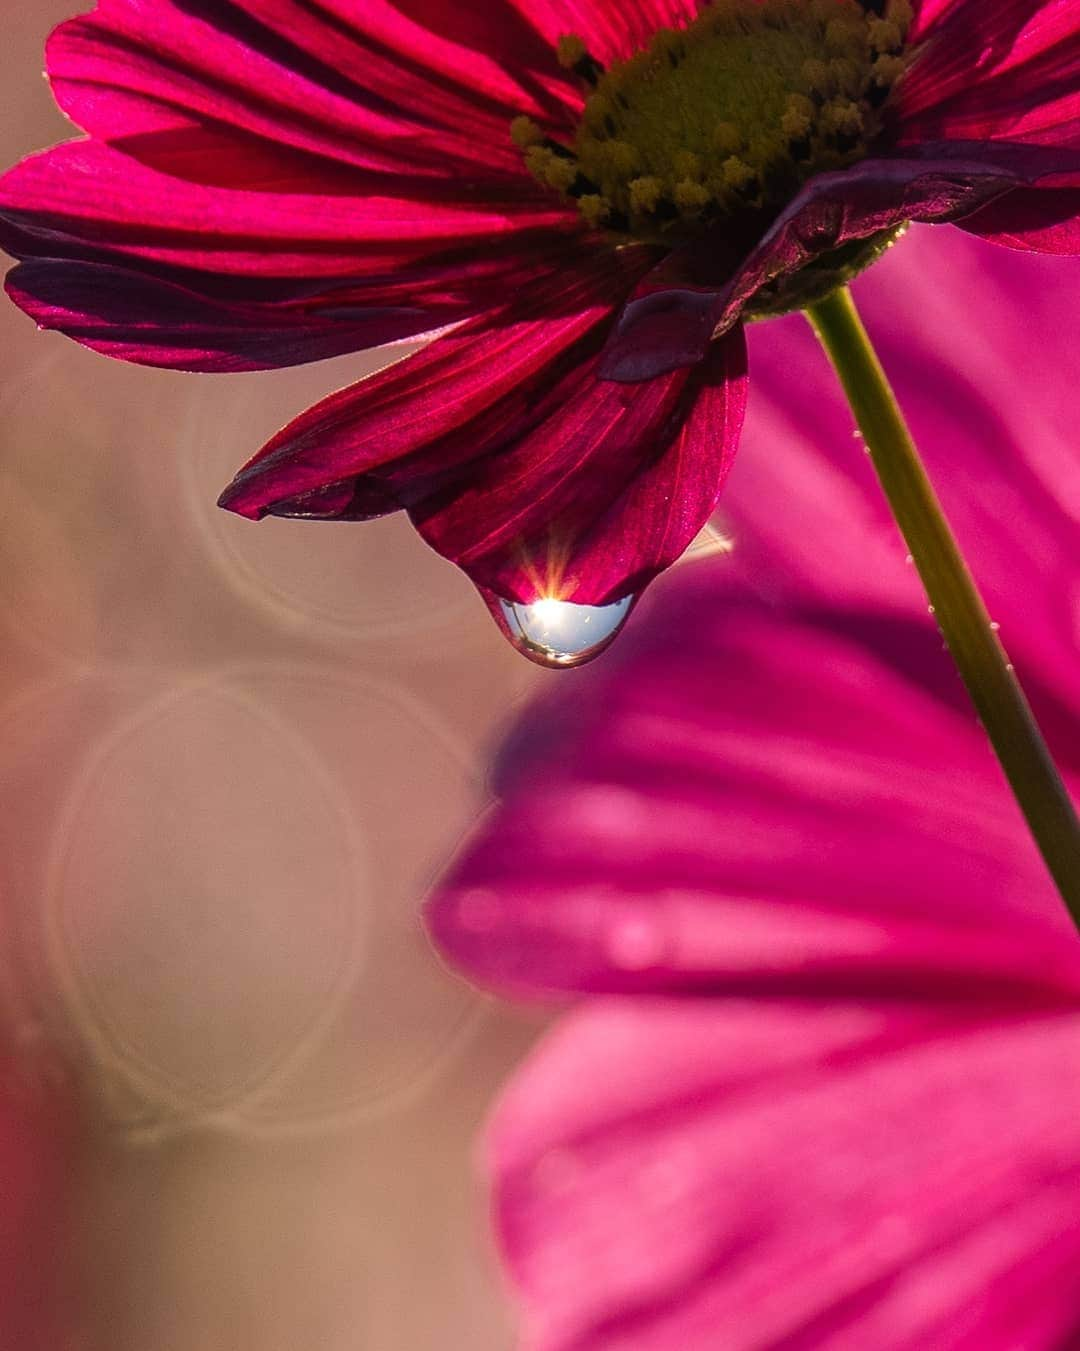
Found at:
(727, 116)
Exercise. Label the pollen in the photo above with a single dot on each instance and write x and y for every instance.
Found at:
(728, 115)
(571, 50)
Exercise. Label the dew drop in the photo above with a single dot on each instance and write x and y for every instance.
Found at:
(909, 559)
(559, 633)
(930, 610)
(994, 626)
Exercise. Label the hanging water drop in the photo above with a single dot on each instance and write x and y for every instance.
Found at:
(559, 633)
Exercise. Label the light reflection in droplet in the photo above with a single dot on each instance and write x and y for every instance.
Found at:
(559, 633)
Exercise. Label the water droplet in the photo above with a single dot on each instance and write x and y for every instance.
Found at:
(561, 634)
(930, 610)
(909, 559)
(994, 626)
(1009, 666)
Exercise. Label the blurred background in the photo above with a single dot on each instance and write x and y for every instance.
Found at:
(232, 759)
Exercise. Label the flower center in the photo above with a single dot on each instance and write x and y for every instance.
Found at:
(725, 117)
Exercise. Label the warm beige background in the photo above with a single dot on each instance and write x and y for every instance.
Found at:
(232, 757)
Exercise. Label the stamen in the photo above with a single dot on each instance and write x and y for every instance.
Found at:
(727, 139)
(594, 208)
(725, 116)
(645, 193)
(574, 55)
(524, 132)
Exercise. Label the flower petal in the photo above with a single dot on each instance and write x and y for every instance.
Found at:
(513, 460)
(238, 279)
(790, 1174)
(668, 324)
(698, 827)
(994, 417)
(1039, 220)
(995, 69)
(371, 88)
(602, 494)
(611, 31)
(83, 199)
(135, 317)
(376, 437)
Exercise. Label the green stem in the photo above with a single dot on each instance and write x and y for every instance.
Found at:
(955, 603)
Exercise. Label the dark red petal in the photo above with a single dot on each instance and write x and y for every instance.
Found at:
(510, 455)
(1040, 220)
(281, 78)
(83, 199)
(668, 324)
(140, 318)
(155, 269)
(391, 433)
(611, 29)
(996, 69)
(603, 493)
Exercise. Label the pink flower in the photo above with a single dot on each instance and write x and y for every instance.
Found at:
(584, 196)
(825, 1092)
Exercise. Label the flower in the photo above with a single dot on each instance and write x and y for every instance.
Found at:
(822, 1091)
(581, 198)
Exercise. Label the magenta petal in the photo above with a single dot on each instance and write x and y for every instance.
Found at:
(704, 829)
(668, 325)
(135, 317)
(995, 420)
(613, 30)
(512, 458)
(285, 79)
(690, 1174)
(410, 427)
(606, 490)
(83, 199)
(1039, 220)
(994, 69)
(239, 279)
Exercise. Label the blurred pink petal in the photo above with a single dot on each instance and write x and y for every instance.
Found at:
(812, 1176)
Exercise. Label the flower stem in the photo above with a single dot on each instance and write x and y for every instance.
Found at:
(955, 602)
